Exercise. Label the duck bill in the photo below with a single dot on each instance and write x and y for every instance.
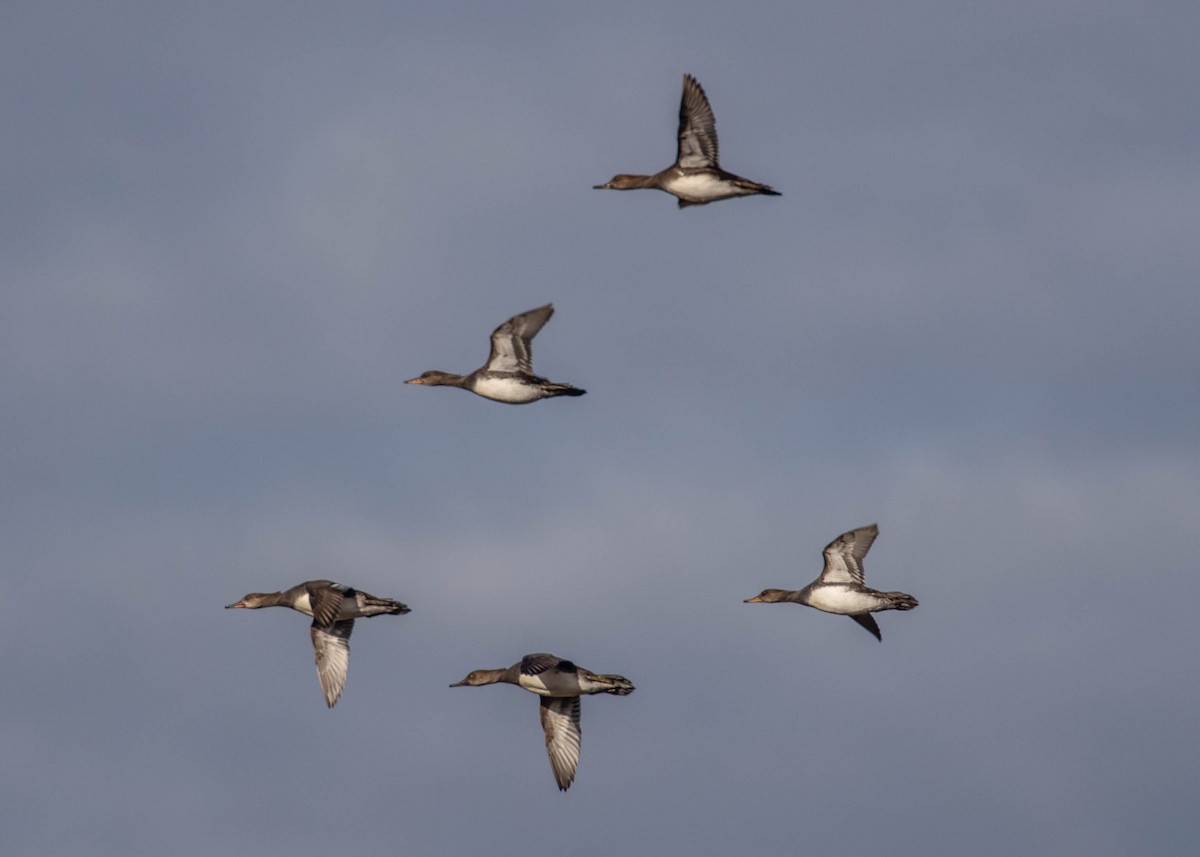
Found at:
(414, 381)
(754, 600)
(235, 604)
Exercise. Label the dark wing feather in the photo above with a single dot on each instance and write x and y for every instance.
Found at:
(325, 599)
(868, 622)
(540, 662)
(697, 128)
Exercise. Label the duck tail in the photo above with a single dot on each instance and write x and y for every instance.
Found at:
(900, 601)
(563, 390)
(621, 686)
(388, 605)
(756, 187)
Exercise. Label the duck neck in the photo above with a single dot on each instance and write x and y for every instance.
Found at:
(636, 182)
(449, 379)
(508, 675)
(277, 599)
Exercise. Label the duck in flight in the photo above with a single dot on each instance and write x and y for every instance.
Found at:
(559, 683)
(840, 588)
(333, 607)
(696, 177)
(508, 374)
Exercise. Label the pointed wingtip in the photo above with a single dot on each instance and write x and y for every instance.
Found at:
(867, 621)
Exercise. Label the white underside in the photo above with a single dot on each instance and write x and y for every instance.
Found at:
(535, 684)
(508, 390)
(843, 600)
(703, 187)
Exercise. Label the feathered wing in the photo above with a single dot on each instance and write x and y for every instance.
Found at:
(325, 599)
(697, 128)
(844, 556)
(511, 351)
(868, 622)
(540, 662)
(331, 645)
(560, 722)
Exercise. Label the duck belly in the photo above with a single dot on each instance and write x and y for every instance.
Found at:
(511, 390)
(843, 600)
(701, 187)
(535, 684)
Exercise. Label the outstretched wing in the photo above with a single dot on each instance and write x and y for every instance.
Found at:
(511, 351)
(697, 128)
(332, 647)
(844, 556)
(560, 722)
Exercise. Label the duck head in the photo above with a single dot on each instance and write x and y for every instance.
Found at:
(434, 378)
(767, 596)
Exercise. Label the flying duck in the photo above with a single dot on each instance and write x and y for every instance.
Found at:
(840, 588)
(334, 607)
(508, 374)
(559, 683)
(696, 177)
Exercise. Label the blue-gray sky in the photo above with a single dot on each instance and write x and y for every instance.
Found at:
(229, 231)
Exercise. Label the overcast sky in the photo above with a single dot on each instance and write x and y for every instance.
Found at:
(230, 230)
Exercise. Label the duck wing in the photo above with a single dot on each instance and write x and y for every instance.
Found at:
(540, 662)
(868, 622)
(844, 556)
(332, 648)
(697, 128)
(510, 341)
(560, 722)
(325, 598)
